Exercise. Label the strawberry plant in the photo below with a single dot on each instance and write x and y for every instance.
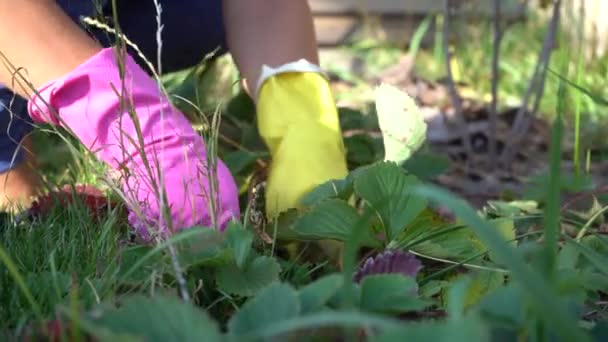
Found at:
(414, 261)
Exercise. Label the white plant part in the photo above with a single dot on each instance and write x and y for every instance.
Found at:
(401, 122)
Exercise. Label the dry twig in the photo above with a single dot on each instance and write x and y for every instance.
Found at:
(495, 79)
(522, 119)
(455, 97)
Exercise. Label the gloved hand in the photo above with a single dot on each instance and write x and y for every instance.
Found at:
(87, 102)
(298, 120)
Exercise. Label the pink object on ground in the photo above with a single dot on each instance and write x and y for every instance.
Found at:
(87, 102)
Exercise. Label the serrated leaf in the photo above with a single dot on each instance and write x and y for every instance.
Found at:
(600, 261)
(433, 237)
(504, 305)
(240, 240)
(482, 283)
(257, 274)
(506, 229)
(594, 281)
(401, 122)
(452, 246)
(426, 166)
(390, 293)
(160, 319)
(133, 255)
(432, 288)
(331, 219)
(568, 257)
(335, 188)
(461, 330)
(205, 248)
(275, 303)
(387, 189)
(316, 294)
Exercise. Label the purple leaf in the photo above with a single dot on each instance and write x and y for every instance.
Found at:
(389, 261)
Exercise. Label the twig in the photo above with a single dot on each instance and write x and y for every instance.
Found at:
(456, 101)
(522, 119)
(598, 191)
(495, 81)
(464, 264)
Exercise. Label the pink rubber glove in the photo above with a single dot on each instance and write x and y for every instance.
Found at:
(87, 102)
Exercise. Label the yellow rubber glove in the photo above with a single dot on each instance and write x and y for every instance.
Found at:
(298, 120)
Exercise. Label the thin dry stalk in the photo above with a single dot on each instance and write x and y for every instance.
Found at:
(495, 80)
(454, 96)
(179, 273)
(523, 118)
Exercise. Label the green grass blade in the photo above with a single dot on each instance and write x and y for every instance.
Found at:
(12, 269)
(551, 218)
(541, 293)
(597, 98)
(418, 35)
(577, 116)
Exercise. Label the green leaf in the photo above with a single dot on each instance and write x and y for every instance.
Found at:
(331, 219)
(541, 294)
(275, 303)
(238, 161)
(335, 188)
(426, 166)
(361, 149)
(593, 281)
(600, 331)
(597, 98)
(387, 189)
(325, 319)
(568, 256)
(159, 319)
(483, 283)
(401, 121)
(181, 84)
(314, 295)
(240, 240)
(460, 330)
(505, 305)
(390, 293)
(506, 228)
(206, 248)
(132, 255)
(432, 288)
(450, 242)
(511, 209)
(598, 260)
(256, 275)
(440, 240)
(552, 214)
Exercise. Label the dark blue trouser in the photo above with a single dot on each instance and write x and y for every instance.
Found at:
(191, 29)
